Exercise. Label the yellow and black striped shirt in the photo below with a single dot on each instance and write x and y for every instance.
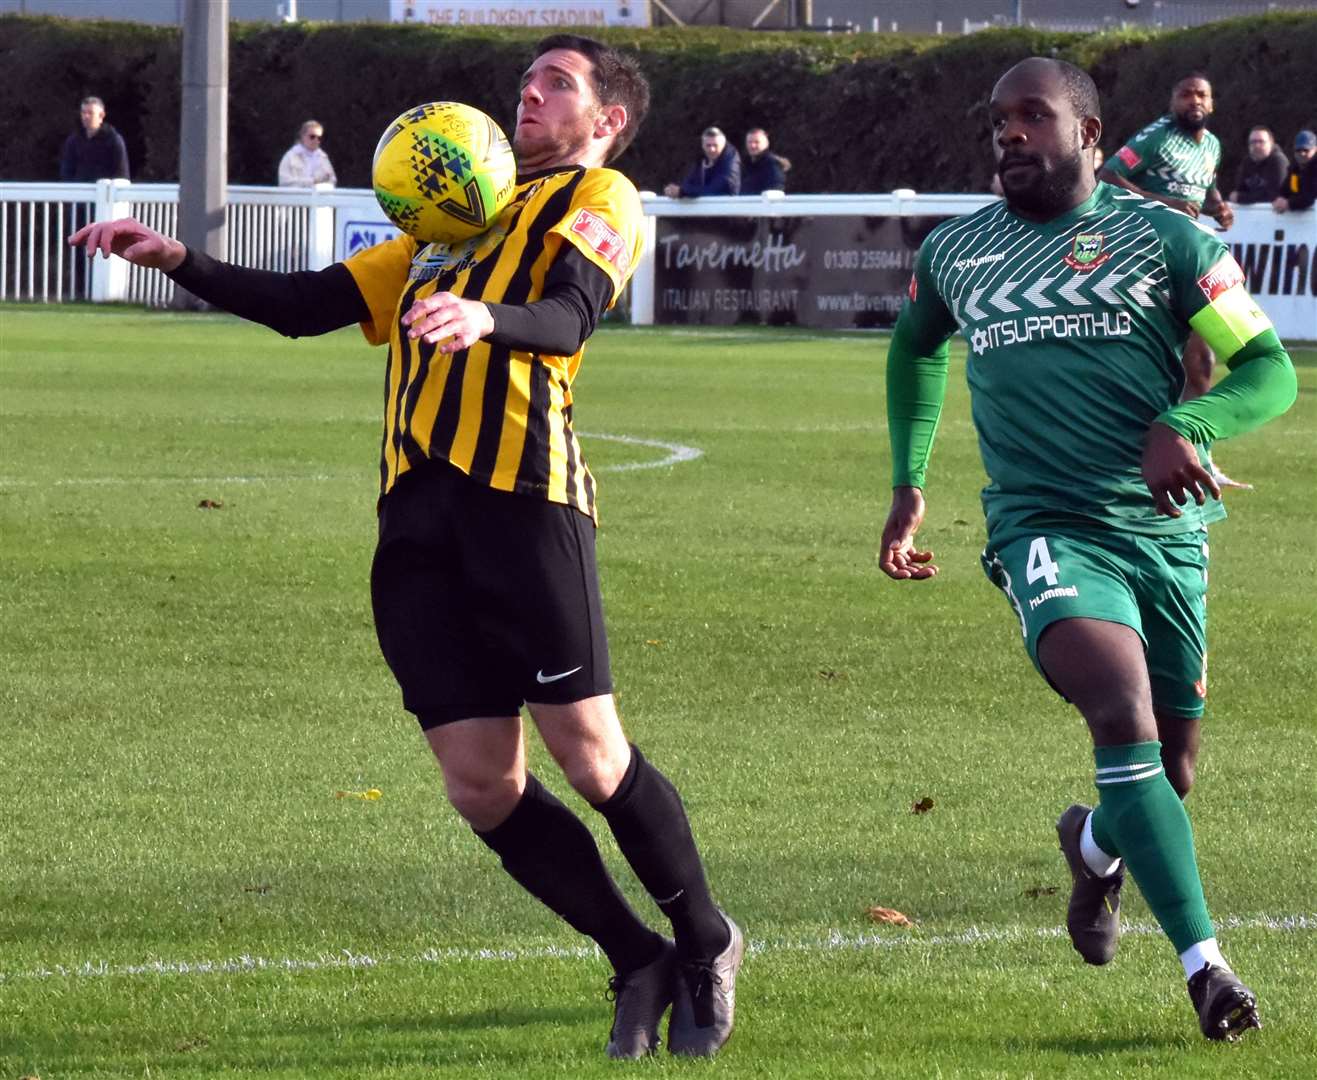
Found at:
(501, 415)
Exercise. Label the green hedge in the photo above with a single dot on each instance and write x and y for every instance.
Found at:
(853, 113)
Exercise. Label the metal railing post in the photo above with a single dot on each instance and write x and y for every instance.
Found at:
(320, 242)
(109, 277)
(642, 281)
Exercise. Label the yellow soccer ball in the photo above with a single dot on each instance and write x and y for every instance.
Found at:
(443, 172)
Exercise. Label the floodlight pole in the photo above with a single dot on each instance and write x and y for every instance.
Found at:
(203, 143)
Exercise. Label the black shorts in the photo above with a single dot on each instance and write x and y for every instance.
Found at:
(485, 600)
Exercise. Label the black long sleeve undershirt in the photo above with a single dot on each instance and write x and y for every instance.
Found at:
(301, 304)
(310, 302)
(576, 294)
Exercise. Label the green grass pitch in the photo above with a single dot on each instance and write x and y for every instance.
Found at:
(184, 690)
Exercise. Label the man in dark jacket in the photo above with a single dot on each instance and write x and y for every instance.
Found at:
(1260, 175)
(762, 170)
(1299, 191)
(717, 171)
(97, 152)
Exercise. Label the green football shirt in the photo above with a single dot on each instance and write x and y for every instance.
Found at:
(1165, 160)
(1075, 330)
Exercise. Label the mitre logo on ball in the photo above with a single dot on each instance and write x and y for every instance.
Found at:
(443, 172)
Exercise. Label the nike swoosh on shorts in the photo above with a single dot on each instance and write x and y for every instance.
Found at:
(540, 677)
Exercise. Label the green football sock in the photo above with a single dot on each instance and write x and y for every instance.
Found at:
(1141, 819)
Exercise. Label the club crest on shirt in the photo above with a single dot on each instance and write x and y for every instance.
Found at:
(434, 259)
(1087, 253)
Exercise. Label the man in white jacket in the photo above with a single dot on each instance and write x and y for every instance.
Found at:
(305, 164)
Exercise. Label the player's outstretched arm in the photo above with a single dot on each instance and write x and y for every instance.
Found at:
(300, 304)
(131, 240)
(899, 559)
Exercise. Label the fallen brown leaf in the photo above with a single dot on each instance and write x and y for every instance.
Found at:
(889, 915)
(923, 806)
(1033, 892)
(210, 504)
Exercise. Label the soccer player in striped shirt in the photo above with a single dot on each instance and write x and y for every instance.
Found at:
(1075, 297)
(1175, 160)
(484, 585)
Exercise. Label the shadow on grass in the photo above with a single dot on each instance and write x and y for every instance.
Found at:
(482, 1035)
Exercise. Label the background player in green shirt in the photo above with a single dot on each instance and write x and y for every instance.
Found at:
(1076, 298)
(1175, 160)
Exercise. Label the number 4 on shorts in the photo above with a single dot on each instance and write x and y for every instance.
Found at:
(1040, 564)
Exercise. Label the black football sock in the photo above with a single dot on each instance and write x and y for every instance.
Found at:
(649, 822)
(552, 855)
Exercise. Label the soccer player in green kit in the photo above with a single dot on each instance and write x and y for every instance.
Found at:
(1075, 298)
(1175, 160)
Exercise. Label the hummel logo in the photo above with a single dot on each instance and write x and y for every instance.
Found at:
(542, 678)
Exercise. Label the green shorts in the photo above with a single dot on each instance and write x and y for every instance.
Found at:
(1157, 585)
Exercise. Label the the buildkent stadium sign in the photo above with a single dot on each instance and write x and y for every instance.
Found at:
(532, 14)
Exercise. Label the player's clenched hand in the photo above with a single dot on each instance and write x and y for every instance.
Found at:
(898, 558)
(130, 240)
(443, 315)
(1172, 471)
(1224, 214)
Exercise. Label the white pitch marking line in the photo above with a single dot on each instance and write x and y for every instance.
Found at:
(835, 941)
(677, 453)
(142, 481)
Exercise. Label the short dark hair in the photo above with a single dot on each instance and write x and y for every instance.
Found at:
(616, 77)
(1192, 75)
(1080, 89)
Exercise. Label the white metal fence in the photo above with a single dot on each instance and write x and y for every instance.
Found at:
(267, 228)
(289, 229)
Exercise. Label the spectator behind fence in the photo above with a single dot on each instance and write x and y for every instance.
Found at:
(762, 170)
(717, 171)
(1261, 175)
(97, 152)
(1300, 188)
(306, 164)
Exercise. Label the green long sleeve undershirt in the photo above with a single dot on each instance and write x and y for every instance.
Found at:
(1261, 385)
(916, 387)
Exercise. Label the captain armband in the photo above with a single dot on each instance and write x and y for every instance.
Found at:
(1231, 318)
